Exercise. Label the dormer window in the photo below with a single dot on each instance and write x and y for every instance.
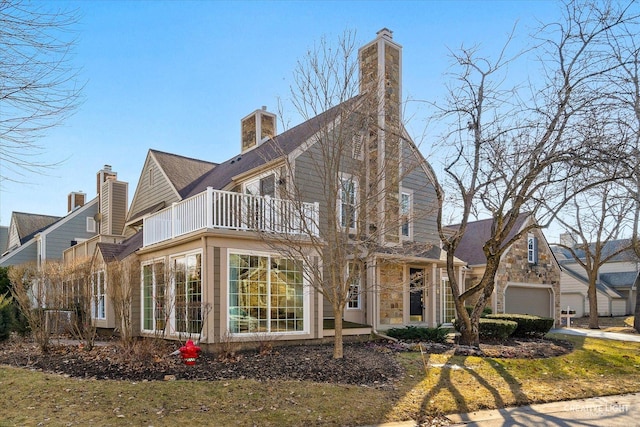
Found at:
(532, 249)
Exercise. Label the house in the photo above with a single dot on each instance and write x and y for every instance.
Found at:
(528, 277)
(40, 238)
(200, 231)
(616, 286)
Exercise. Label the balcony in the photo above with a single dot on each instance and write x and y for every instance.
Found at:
(213, 209)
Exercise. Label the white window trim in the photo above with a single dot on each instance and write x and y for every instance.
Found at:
(154, 288)
(91, 225)
(358, 285)
(171, 320)
(444, 283)
(99, 301)
(306, 304)
(348, 177)
(532, 249)
(409, 193)
(257, 178)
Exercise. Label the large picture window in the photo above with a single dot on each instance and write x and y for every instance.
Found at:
(266, 294)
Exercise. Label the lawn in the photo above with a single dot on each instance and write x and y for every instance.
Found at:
(433, 384)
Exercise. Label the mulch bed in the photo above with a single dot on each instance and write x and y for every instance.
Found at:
(370, 364)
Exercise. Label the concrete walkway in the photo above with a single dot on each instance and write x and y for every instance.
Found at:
(609, 411)
(595, 333)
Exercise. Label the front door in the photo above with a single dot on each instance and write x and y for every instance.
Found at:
(416, 295)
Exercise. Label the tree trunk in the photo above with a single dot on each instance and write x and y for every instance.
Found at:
(636, 318)
(469, 338)
(593, 305)
(337, 342)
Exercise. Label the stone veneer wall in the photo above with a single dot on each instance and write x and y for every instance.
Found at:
(515, 268)
(391, 294)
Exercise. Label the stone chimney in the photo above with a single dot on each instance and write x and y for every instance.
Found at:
(381, 89)
(567, 239)
(257, 128)
(75, 199)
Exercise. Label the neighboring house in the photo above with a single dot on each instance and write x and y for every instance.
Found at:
(616, 287)
(206, 272)
(528, 277)
(4, 238)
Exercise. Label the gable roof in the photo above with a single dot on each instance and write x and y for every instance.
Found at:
(477, 234)
(284, 144)
(601, 285)
(608, 248)
(180, 170)
(28, 225)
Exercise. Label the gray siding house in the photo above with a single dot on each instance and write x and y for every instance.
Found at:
(199, 231)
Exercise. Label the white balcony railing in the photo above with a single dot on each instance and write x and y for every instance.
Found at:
(233, 211)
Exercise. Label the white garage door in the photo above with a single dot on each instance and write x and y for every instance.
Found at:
(528, 300)
(574, 301)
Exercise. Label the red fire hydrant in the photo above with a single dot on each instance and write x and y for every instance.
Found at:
(189, 353)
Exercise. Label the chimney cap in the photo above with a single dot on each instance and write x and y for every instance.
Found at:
(386, 33)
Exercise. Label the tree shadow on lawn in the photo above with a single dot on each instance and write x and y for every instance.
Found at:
(445, 383)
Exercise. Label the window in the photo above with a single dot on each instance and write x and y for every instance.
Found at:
(347, 205)
(532, 249)
(266, 294)
(91, 225)
(98, 296)
(448, 306)
(353, 276)
(154, 299)
(405, 215)
(187, 294)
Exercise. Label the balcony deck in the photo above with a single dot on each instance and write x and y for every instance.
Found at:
(213, 209)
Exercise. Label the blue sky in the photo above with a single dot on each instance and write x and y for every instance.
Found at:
(179, 76)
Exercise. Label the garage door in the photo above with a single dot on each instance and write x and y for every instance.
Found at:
(526, 300)
(574, 301)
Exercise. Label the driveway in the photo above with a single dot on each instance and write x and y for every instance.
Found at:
(595, 333)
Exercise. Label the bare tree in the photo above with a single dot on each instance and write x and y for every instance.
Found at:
(595, 219)
(512, 146)
(123, 278)
(39, 83)
(349, 173)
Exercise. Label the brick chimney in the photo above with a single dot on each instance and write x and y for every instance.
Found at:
(75, 199)
(256, 128)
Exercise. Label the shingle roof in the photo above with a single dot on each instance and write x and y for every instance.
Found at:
(119, 251)
(181, 170)
(28, 224)
(476, 235)
(624, 279)
(222, 175)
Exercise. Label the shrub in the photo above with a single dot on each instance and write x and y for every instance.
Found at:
(6, 317)
(496, 329)
(528, 325)
(437, 334)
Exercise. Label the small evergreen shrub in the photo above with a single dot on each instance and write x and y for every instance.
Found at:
(410, 333)
(6, 317)
(496, 329)
(528, 325)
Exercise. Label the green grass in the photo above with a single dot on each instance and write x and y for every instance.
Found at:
(594, 368)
